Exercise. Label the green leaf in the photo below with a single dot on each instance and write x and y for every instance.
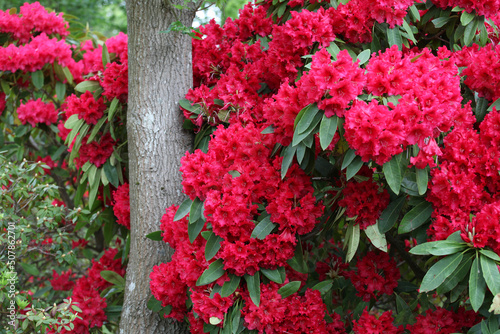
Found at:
(466, 18)
(288, 154)
(95, 130)
(68, 75)
(30, 269)
(490, 274)
(348, 158)
(323, 287)
(415, 217)
(73, 121)
(186, 104)
(297, 261)
(470, 32)
(276, 275)
(492, 255)
(212, 246)
(415, 13)
(408, 30)
(230, 287)
(60, 91)
(289, 289)
(253, 285)
(113, 277)
(495, 104)
(195, 229)
(393, 172)
(154, 304)
(440, 247)
(195, 211)
(364, 56)
(183, 210)
(481, 106)
(457, 276)
(94, 187)
(301, 136)
(155, 236)
(440, 271)
(111, 174)
(352, 240)
(263, 228)
(422, 179)
(353, 167)
(441, 21)
(90, 85)
(327, 130)
(112, 108)
(212, 273)
(37, 79)
(390, 215)
(394, 37)
(477, 285)
(105, 56)
(377, 239)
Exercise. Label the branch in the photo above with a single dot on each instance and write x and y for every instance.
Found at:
(419, 273)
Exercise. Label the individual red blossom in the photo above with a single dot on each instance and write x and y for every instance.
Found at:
(62, 282)
(86, 107)
(376, 274)
(121, 205)
(36, 111)
(369, 324)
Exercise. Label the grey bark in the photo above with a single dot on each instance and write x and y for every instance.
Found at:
(160, 74)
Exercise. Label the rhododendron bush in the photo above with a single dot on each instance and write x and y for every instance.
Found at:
(65, 207)
(345, 173)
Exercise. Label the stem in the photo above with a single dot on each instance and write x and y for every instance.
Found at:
(419, 273)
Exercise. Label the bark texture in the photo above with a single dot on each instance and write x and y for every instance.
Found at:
(160, 73)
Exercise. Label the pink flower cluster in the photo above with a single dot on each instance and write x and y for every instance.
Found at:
(443, 321)
(86, 293)
(37, 112)
(482, 69)
(96, 152)
(427, 91)
(34, 55)
(121, 205)
(365, 201)
(482, 7)
(33, 18)
(467, 182)
(86, 107)
(376, 274)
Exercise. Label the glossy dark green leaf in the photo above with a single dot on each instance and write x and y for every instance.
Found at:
(327, 130)
(276, 275)
(30, 269)
(481, 107)
(155, 236)
(88, 85)
(230, 287)
(490, 274)
(297, 262)
(440, 271)
(253, 285)
(263, 228)
(113, 277)
(111, 174)
(289, 289)
(154, 304)
(457, 276)
(492, 255)
(394, 37)
(309, 132)
(440, 247)
(183, 209)
(37, 79)
(470, 32)
(212, 273)
(422, 179)
(477, 285)
(307, 118)
(112, 108)
(352, 240)
(195, 211)
(466, 18)
(393, 172)
(105, 56)
(416, 217)
(288, 154)
(353, 167)
(212, 246)
(195, 229)
(323, 287)
(348, 158)
(390, 215)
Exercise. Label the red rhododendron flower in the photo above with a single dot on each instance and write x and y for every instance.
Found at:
(121, 205)
(86, 107)
(37, 111)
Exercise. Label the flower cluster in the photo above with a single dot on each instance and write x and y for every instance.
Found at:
(369, 324)
(121, 205)
(96, 152)
(364, 201)
(487, 8)
(37, 112)
(376, 274)
(62, 282)
(443, 321)
(86, 107)
(33, 18)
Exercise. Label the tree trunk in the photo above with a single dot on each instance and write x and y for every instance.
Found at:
(160, 74)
